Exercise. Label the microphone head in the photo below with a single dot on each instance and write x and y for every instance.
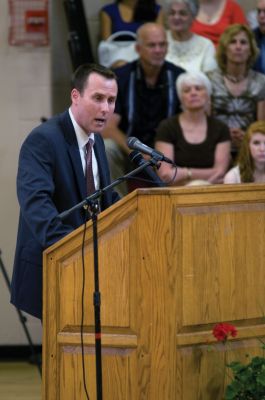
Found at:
(136, 157)
(131, 141)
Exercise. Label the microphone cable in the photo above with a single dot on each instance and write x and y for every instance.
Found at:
(83, 304)
(172, 180)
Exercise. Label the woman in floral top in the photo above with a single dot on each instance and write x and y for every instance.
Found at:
(238, 92)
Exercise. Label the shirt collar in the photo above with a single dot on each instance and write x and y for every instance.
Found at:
(161, 79)
(81, 136)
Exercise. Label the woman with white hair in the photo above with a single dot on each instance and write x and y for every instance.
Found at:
(186, 49)
(198, 144)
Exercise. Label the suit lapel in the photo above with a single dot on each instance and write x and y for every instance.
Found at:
(73, 151)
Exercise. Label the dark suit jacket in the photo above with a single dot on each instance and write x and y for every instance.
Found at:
(260, 40)
(50, 180)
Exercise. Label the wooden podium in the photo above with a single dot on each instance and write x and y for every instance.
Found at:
(172, 263)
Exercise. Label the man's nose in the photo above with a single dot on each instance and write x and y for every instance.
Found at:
(105, 106)
(159, 47)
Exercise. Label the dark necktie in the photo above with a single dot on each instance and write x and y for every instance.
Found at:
(90, 184)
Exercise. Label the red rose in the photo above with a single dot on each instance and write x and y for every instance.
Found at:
(223, 330)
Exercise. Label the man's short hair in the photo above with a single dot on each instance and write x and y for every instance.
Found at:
(81, 74)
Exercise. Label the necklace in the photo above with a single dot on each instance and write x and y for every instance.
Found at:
(210, 11)
(235, 79)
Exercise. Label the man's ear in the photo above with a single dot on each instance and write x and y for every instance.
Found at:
(75, 95)
(137, 47)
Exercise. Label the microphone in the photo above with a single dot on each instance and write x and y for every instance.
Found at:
(135, 144)
(136, 157)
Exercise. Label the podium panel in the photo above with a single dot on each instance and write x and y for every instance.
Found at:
(172, 263)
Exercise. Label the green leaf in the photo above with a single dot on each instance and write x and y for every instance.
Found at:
(261, 378)
(230, 393)
(236, 366)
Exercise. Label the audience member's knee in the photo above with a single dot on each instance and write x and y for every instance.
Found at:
(112, 149)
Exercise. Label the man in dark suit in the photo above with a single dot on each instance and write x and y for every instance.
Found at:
(259, 33)
(51, 178)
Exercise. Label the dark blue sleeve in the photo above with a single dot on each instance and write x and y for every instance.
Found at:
(157, 8)
(110, 9)
(35, 190)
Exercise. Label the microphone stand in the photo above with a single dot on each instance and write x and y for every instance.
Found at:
(91, 202)
(98, 193)
(94, 209)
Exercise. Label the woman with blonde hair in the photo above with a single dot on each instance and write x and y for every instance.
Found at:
(238, 92)
(251, 159)
(199, 144)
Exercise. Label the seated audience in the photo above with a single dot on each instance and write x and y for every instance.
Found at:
(259, 33)
(238, 92)
(197, 143)
(146, 95)
(215, 16)
(128, 15)
(186, 49)
(251, 160)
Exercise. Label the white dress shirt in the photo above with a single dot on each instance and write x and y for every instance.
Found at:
(82, 139)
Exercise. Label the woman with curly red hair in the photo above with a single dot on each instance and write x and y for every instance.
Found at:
(251, 159)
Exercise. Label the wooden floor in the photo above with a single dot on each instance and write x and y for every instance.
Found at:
(19, 381)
